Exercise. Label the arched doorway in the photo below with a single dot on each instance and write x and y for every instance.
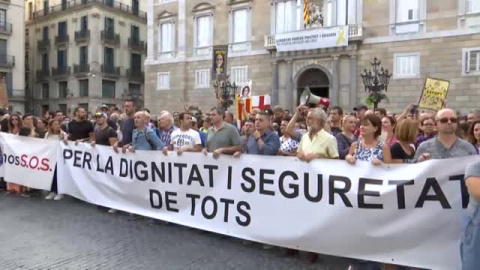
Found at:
(316, 80)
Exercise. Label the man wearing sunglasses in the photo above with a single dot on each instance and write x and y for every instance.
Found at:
(446, 144)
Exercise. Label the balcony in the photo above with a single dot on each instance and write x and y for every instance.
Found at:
(135, 75)
(16, 95)
(110, 38)
(111, 72)
(137, 45)
(355, 32)
(6, 28)
(61, 72)
(78, 4)
(7, 61)
(43, 75)
(81, 70)
(43, 45)
(82, 36)
(62, 40)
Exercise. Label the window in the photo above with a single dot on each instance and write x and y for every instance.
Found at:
(136, 62)
(45, 91)
(83, 87)
(62, 89)
(473, 6)
(45, 33)
(30, 10)
(204, 31)
(407, 10)
(63, 108)
(3, 49)
(84, 23)
(108, 89)
(62, 29)
(163, 81)
(239, 75)
(135, 33)
(83, 55)
(45, 6)
(202, 78)
(406, 65)
(3, 19)
(240, 25)
(45, 64)
(135, 7)
(471, 61)
(109, 58)
(285, 16)
(61, 59)
(109, 26)
(166, 37)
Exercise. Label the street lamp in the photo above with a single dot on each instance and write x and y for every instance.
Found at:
(225, 92)
(375, 82)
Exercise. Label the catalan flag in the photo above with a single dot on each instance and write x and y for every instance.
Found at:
(306, 16)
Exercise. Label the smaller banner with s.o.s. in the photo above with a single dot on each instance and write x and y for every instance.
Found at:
(28, 161)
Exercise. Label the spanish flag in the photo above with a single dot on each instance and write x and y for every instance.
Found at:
(306, 16)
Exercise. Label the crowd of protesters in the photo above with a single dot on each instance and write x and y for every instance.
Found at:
(375, 136)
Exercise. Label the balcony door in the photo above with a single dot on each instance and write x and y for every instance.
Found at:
(109, 58)
(3, 19)
(135, 7)
(45, 33)
(109, 26)
(83, 55)
(84, 23)
(62, 29)
(135, 32)
(136, 63)
(3, 51)
(61, 59)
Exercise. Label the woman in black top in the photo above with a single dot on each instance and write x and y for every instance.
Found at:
(406, 132)
(346, 137)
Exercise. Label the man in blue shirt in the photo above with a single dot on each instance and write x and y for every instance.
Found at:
(264, 141)
(143, 137)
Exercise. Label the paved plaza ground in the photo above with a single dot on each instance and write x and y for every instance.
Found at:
(70, 234)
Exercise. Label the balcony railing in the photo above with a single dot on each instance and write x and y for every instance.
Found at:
(111, 71)
(62, 40)
(137, 45)
(72, 4)
(110, 38)
(43, 45)
(82, 36)
(81, 70)
(135, 75)
(61, 72)
(7, 61)
(42, 75)
(16, 94)
(355, 32)
(6, 28)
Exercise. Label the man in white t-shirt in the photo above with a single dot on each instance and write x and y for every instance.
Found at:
(184, 139)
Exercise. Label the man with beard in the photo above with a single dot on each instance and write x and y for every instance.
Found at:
(104, 134)
(127, 127)
(336, 115)
(317, 143)
(446, 144)
(80, 129)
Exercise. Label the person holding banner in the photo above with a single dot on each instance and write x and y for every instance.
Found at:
(223, 138)
(263, 141)
(470, 245)
(317, 143)
(347, 136)
(54, 133)
(184, 139)
(14, 125)
(288, 146)
(446, 144)
(403, 150)
(127, 127)
(143, 137)
(370, 148)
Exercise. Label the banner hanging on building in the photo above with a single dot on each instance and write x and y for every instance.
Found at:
(28, 161)
(315, 38)
(403, 214)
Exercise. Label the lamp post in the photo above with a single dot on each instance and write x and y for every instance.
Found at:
(376, 81)
(225, 92)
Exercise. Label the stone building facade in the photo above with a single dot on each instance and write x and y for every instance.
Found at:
(85, 53)
(12, 51)
(414, 39)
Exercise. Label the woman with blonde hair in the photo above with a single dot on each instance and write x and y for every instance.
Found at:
(54, 133)
(406, 132)
(347, 136)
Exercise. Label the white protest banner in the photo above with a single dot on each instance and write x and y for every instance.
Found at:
(402, 214)
(315, 38)
(28, 161)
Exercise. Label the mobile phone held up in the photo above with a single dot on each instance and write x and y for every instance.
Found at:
(414, 109)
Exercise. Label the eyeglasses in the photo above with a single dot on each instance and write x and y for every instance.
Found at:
(446, 119)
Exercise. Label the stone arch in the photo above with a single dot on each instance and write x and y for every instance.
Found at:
(302, 71)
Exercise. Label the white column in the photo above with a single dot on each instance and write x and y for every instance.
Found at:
(150, 31)
(182, 28)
